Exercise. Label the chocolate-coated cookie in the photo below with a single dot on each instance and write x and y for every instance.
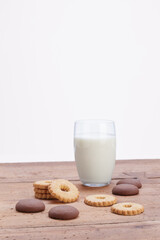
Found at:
(63, 212)
(132, 181)
(125, 190)
(30, 206)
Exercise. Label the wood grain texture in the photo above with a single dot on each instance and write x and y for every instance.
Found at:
(93, 223)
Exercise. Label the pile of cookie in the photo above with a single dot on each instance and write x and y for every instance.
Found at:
(60, 189)
(67, 192)
(41, 189)
(125, 187)
(64, 212)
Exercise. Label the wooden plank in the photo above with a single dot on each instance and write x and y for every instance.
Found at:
(93, 223)
(132, 231)
(29, 172)
(12, 192)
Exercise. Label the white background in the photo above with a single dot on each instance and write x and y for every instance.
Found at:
(74, 59)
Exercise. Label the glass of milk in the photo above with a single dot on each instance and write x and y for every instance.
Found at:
(95, 151)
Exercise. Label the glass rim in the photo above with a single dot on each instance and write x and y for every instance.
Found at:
(94, 121)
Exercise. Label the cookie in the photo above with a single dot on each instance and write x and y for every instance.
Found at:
(38, 190)
(63, 212)
(127, 208)
(100, 200)
(132, 181)
(63, 190)
(42, 184)
(30, 206)
(125, 190)
(43, 196)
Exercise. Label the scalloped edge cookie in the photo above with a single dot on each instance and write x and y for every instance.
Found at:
(63, 190)
(100, 200)
(127, 208)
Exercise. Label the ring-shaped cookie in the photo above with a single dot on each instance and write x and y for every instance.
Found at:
(43, 184)
(127, 208)
(63, 190)
(43, 196)
(100, 200)
(38, 190)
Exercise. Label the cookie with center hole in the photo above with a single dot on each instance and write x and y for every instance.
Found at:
(38, 190)
(100, 200)
(63, 190)
(127, 209)
(44, 196)
(43, 184)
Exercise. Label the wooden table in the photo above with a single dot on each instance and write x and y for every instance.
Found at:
(93, 222)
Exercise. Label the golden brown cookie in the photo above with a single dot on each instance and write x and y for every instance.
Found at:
(38, 190)
(43, 184)
(43, 196)
(100, 200)
(127, 208)
(63, 190)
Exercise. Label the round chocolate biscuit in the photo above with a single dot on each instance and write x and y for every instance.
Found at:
(132, 181)
(63, 212)
(30, 206)
(125, 190)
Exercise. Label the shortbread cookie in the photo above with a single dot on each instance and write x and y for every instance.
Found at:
(30, 206)
(43, 196)
(63, 190)
(42, 184)
(38, 190)
(125, 190)
(127, 208)
(132, 181)
(100, 200)
(63, 212)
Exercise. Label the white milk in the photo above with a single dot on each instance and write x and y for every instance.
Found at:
(95, 158)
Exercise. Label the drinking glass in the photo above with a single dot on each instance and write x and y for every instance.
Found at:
(95, 151)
